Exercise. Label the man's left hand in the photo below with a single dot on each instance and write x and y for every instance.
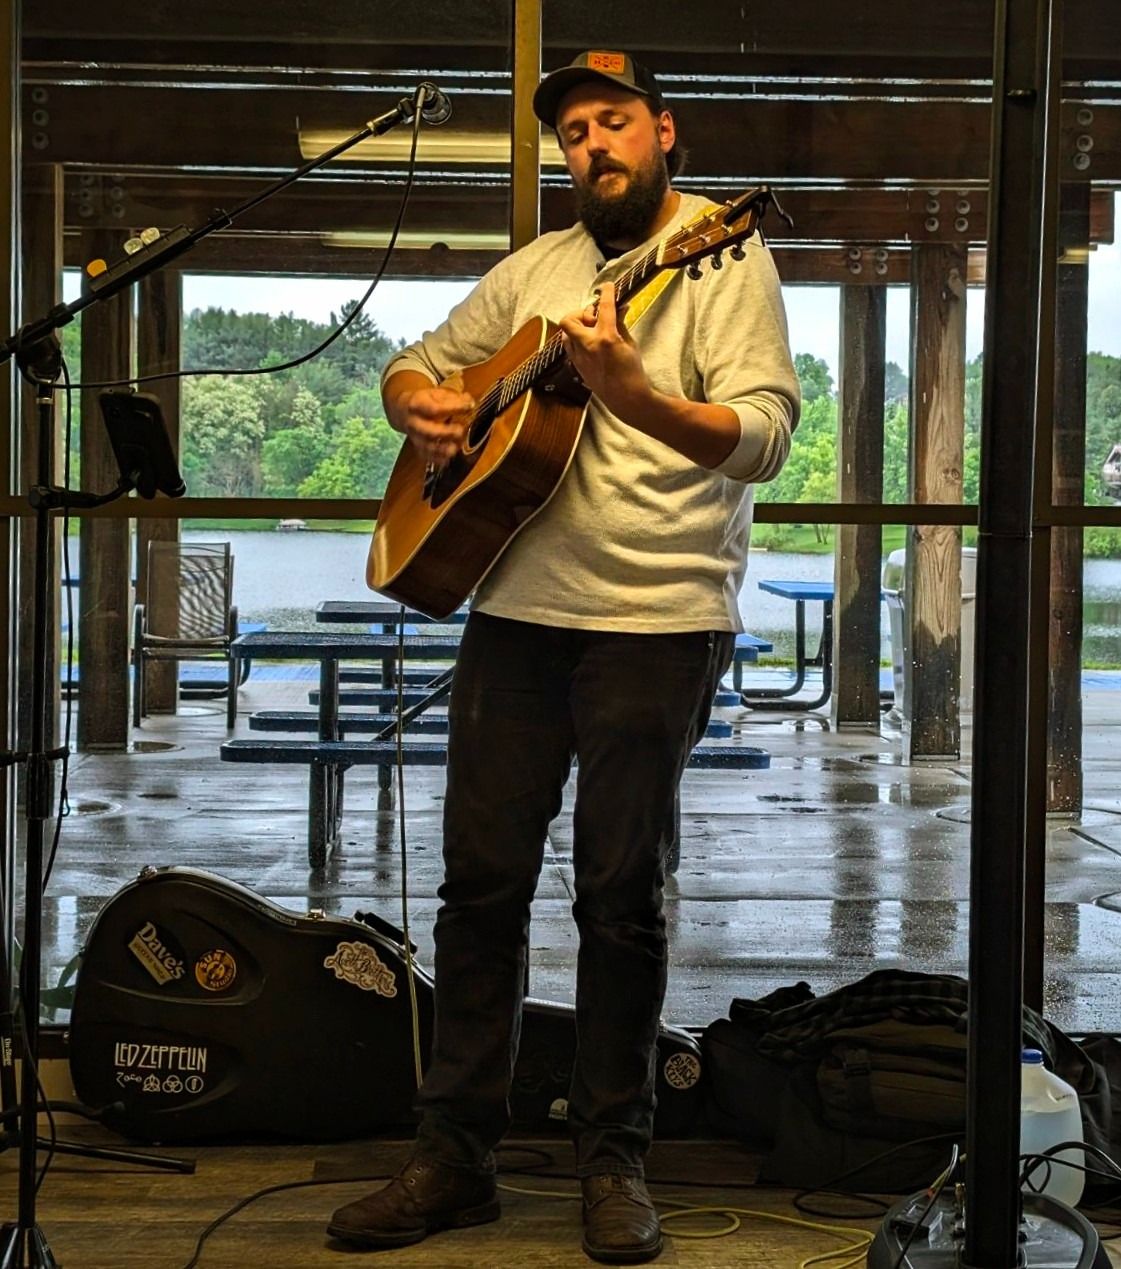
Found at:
(606, 357)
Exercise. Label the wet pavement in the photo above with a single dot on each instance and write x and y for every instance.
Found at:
(836, 861)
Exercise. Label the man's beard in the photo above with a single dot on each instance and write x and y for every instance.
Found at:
(612, 218)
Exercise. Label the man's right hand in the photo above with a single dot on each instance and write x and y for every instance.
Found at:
(435, 419)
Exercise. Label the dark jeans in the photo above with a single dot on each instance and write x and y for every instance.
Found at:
(526, 699)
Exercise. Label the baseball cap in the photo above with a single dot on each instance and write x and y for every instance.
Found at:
(604, 64)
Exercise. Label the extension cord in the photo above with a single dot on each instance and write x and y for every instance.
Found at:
(1052, 1236)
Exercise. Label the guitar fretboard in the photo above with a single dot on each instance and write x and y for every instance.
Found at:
(507, 389)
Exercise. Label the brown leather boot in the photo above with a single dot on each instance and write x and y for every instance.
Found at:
(421, 1199)
(620, 1224)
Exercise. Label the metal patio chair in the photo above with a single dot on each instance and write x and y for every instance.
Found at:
(188, 615)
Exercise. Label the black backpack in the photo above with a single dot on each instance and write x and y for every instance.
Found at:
(828, 1083)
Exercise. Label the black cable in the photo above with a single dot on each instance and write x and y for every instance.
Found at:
(242, 1204)
(1030, 1163)
(31, 1059)
(63, 806)
(63, 791)
(545, 1158)
(298, 361)
(829, 1187)
(53, 1138)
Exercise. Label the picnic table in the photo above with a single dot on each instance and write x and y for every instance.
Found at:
(389, 616)
(332, 751)
(780, 698)
(330, 754)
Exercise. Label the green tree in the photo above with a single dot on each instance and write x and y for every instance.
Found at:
(292, 452)
(306, 410)
(360, 464)
(222, 432)
(896, 443)
(813, 454)
(289, 457)
(813, 375)
(897, 386)
(359, 403)
(220, 339)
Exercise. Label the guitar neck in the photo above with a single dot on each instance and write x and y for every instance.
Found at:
(535, 368)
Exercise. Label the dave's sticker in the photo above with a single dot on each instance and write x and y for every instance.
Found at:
(682, 1070)
(359, 964)
(215, 970)
(151, 950)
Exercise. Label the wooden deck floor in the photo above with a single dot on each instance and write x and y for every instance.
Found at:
(105, 1216)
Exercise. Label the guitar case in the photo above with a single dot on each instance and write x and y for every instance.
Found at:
(202, 1010)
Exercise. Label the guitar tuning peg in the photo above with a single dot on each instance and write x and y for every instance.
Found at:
(718, 260)
(693, 270)
(738, 252)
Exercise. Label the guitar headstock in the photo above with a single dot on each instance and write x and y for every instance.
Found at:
(727, 226)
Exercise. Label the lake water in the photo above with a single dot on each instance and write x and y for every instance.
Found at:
(280, 577)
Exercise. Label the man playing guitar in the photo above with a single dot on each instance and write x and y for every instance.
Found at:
(600, 635)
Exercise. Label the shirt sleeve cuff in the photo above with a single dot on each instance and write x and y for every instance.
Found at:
(407, 360)
(764, 441)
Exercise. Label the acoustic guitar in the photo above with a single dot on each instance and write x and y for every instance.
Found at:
(441, 529)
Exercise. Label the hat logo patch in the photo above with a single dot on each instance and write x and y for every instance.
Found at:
(612, 63)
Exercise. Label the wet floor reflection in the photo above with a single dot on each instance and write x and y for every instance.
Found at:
(836, 861)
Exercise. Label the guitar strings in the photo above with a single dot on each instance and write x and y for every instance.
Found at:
(506, 390)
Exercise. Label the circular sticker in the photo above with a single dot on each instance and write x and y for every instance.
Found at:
(682, 1070)
(215, 970)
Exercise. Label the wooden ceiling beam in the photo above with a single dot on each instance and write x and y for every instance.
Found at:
(273, 255)
(803, 39)
(348, 206)
(133, 129)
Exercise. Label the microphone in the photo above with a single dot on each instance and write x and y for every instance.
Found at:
(435, 107)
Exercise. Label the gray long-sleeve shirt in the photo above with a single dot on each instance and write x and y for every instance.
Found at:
(637, 537)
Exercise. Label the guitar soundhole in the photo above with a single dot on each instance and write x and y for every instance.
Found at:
(440, 485)
(478, 432)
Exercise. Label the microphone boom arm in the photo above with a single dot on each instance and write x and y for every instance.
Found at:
(168, 247)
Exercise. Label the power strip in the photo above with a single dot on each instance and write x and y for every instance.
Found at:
(1052, 1236)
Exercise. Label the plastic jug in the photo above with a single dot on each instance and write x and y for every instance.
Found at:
(1049, 1115)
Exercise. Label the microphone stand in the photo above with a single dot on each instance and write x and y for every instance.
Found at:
(22, 1243)
(36, 350)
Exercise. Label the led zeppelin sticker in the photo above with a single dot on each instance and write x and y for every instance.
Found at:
(359, 964)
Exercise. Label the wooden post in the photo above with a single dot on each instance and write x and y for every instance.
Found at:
(103, 716)
(42, 290)
(932, 670)
(159, 326)
(525, 130)
(1064, 731)
(860, 478)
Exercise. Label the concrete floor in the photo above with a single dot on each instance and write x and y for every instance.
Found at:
(836, 861)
